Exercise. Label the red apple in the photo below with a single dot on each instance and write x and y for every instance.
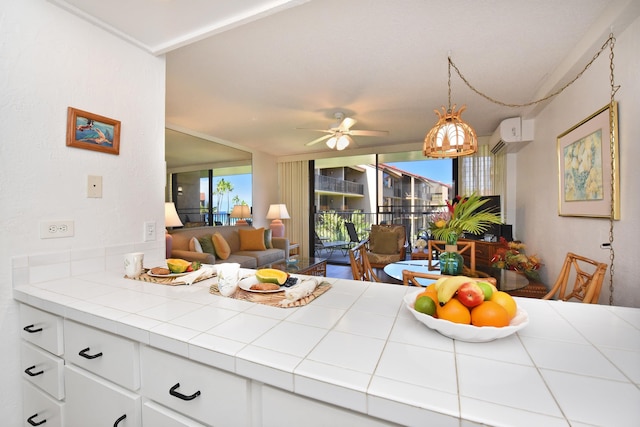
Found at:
(470, 294)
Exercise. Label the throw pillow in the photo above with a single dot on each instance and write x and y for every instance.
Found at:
(206, 243)
(267, 238)
(194, 245)
(385, 243)
(252, 239)
(221, 246)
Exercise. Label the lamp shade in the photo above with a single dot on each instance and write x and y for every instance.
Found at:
(278, 211)
(240, 211)
(171, 218)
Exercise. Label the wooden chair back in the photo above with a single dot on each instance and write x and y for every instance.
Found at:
(360, 267)
(435, 247)
(586, 284)
(409, 278)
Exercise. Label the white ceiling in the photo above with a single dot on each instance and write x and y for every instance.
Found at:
(249, 72)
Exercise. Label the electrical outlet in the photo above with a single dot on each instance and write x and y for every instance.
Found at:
(149, 231)
(56, 229)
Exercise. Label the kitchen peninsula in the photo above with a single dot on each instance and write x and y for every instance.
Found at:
(354, 356)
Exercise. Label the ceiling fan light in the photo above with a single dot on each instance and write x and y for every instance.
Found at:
(343, 142)
(331, 142)
(451, 136)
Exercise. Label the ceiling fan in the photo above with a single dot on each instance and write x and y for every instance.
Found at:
(339, 134)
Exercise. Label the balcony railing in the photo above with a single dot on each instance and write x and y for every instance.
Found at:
(334, 185)
(329, 224)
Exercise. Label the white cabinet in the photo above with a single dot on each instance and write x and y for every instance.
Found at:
(280, 409)
(94, 401)
(209, 395)
(42, 329)
(154, 415)
(104, 354)
(42, 369)
(39, 408)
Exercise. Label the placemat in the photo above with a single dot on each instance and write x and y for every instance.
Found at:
(171, 281)
(273, 299)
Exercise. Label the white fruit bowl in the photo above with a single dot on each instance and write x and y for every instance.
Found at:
(467, 333)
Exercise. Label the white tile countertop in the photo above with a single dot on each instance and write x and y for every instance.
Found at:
(357, 346)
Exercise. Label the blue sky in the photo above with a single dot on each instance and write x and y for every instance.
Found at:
(438, 170)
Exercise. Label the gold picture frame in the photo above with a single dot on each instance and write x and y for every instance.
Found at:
(587, 174)
(92, 131)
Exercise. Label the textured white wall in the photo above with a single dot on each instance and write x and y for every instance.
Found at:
(550, 235)
(51, 60)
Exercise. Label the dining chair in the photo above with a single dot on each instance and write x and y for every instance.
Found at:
(435, 247)
(360, 267)
(386, 244)
(409, 278)
(586, 284)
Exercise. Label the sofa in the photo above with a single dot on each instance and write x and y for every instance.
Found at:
(240, 250)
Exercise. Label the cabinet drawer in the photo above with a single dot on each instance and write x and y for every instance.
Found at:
(112, 357)
(93, 401)
(42, 329)
(39, 407)
(209, 395)
(158, 416)
(43, 369)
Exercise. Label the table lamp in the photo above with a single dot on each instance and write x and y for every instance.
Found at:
(277, 213)
(171, 219)
(241, 212)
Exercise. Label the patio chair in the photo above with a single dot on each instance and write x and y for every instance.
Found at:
(435, 247)
(586, 285)
(353, 236)
(360, 267)
(321, 245)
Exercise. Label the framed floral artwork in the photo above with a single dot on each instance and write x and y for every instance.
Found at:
(92, 132)
(589, 183)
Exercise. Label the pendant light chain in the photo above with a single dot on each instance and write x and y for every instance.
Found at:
(609, 42)
(612, 152)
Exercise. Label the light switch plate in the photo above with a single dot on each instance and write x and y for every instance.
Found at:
(94, 187)
(149, 231)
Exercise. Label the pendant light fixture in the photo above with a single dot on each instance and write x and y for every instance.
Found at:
(451, 136)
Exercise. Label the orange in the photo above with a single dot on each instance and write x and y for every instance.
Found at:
(431, 287)
(489, 313)
(429, 293)
(506, 301)
(454, 311)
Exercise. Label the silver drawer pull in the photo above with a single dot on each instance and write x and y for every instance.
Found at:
(32, 374)
(31, 330)
(33, 423)
(173, 392)
(84, 354)
(119, 419)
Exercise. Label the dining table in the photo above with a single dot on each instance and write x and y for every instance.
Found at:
(507, 280)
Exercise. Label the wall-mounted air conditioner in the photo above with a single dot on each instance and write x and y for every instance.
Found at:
(512, 134)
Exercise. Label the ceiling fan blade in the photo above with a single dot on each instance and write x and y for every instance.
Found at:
(317, 130)
(369, 132)
(315, 141)
(346, 124)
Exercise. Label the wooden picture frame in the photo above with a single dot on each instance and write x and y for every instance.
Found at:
(92, 132)
(586, 168)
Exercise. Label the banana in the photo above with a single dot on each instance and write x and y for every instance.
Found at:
(449, 287)
(439, 282)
